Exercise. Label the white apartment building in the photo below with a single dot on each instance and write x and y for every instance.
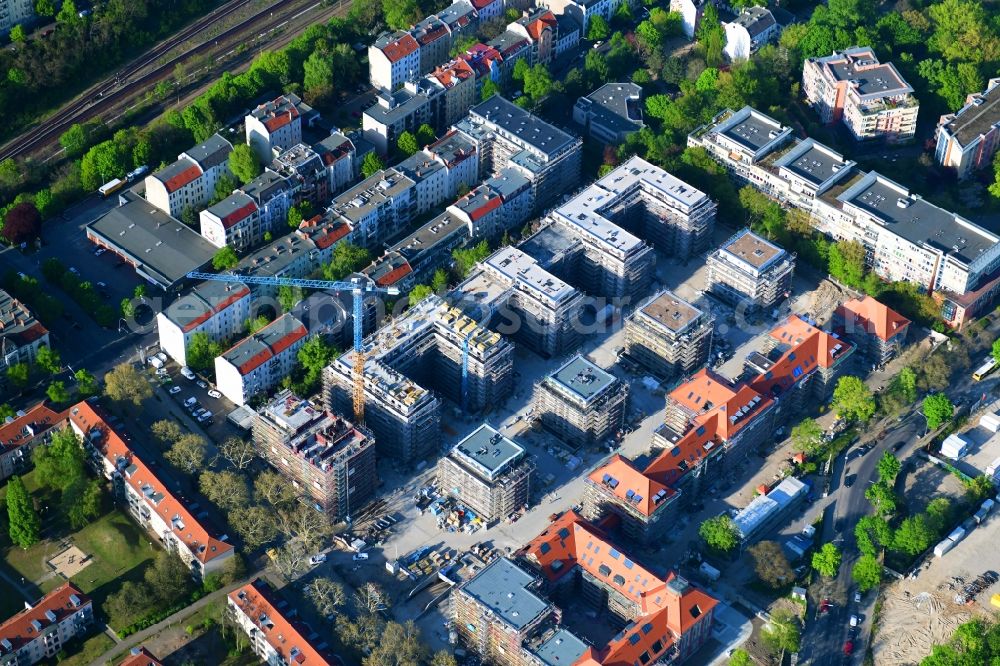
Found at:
(148, 500)
(258, 362)
(190, 181)
(340, 157)
(752, 29)
(276, 636)
(218, 309)
(750, 272)
(273, 194)
(392, 60)
(967, 140)
(21, 335)
(234, 221)
(691, 12)
(16, 12)
(275, 126)
(584, 10)
(871, 98)
(377, 208)
(41, 630)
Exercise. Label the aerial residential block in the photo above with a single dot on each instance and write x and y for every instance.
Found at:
(392, 60)
(967, 139)
(748, 32)
(218, 309)
(581, 404)
(20, 434)
(306, 172)
(878, 331)
(273, 195)
(871, 98)
(489, 473)
(147, 499)
(646, 508)
(275, 126)
(258, 362)
(21, 334)
(235, 221)
(190, 181)
(42, 630)
(584, 10)
(610, 113)
(750, 272)
(277, 635)
(668, 335)
(324, 455)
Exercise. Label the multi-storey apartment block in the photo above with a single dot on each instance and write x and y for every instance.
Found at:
(22, 433)
(524, 301)
(235, 221)
(879, 332)
(21, 335)
(190, 181)
(581, 403)
(15, 12)
(147, 499)
(540, 27)
(272, 193)
(967, 140)
(505, 135)
(340, 157)
(646, 508)
(871, 98)
(306, 173)
(752, 29)
(218, 309)
(41, 630)
(257, 363)
(392, 60)
(277, 637)
(378, 208)
(610, 113)
(275, 126)
(326, 457)
(584, 10)
(750, 272)
(668, 335)
(488, 473)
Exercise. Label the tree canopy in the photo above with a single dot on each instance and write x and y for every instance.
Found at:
(938, 409)
(244, 163)
(720, 533)
(826, 560)
(852, 399)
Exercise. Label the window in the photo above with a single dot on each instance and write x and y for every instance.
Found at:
(604, 570)
(618, 579)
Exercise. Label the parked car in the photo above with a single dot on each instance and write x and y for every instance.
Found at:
(857, 597)
(174, 390)
(360, 556)
(849, 648)
(190, 401)
(99, 251)
(186, 371)
(214, 394)
(204, 417)
(202, 383)
(854, 620)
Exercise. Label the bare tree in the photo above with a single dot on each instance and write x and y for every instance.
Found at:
(273, 489)
(370, 598)
(304, 523)
(327, 596)
(255, 525)
(167, 432)
(227, 490)
(291, 559)
(187, 454)
(239, 452)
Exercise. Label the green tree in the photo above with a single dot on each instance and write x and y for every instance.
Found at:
(45, 7)
(226, 489)
(318, 72)
(401, 14)
(980, 488)
(17, 374)
(57, 393)
(939, 514)
(466, 258)
(407, 144)
(168, 578)
(74, 140)
(439, 283)
(24, 528)
(490, 88)
(782, 633)
(720, 533)
(244, 163)
(826, 561)
(187, 454)
(254, 324)
(425, 135)
(847, 262)
(299, 212)
(371, 164)
(882, 498)
(86, 383)
(598, 30)
(872, 534)
(289, 296)
(937, 409)
(807, 436)
(347, 258)
(419, 293)
(711, 36)
(314, 355)
(852, 399)
(225, 259)
(81, 502)
(126, 384)
(202, 351)
(740, 657)
(913, 536)
(537, 83)
(48, 360)
(888, 467)
(67, 13)
(867, 573)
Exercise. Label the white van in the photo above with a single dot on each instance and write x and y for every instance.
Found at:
(186, 371)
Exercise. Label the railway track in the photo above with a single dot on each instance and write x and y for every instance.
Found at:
(133, 79)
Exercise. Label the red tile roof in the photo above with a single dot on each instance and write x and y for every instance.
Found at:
(455, 71)
(873, 317)
(535, 27)
(482, 4)
(198, 540)
(237, 292)
(629, 483)
(30, 334)
(399, 49)
(18, 628)
(271, 349)
(278, 120)
(260, 605)
(185, 177)
(665, 611)
(488, 207)
(394, 276)
(808, 348)
(143, 658)
(240, 214)
(25, 429)
(702, 391)
(326, 235)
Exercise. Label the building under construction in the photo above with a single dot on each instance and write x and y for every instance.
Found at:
(324, 455)
(488, 473)
(524, 301)
(581, 404)
(668, 335)
(750, 272)
(431, 350)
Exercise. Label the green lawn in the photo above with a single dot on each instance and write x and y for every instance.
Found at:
(84, 654)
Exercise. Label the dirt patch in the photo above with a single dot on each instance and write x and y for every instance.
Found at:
(70, 562)
(913, 620)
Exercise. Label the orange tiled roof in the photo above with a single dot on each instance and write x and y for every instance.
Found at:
(143, 657)
(171, 510)
(241, 213)
(395, 275)
(257, 602)
(18, 628)
(873, 317)
(39, 418)
(703, 390)
(185, 177)
(399, 49)
(238, 291)
(629, 483)
(541, 22)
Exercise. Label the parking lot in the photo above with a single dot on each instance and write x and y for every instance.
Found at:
(984, 448)
(198, 399)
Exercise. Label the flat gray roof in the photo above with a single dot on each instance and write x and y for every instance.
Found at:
(202, 301)
(812, 161)
(524, 127)
(489, 450)
(582, 377)
(861, 66)
(437, 231)
(273, 259)
(211, 152)
(548, 244)
(502, 587)
(754, 131)
(561, 649)
(618, 106)
(976, 119)
(265, 186)
(162, 248)
(402, 105)
(916, 219)
(756, 20)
